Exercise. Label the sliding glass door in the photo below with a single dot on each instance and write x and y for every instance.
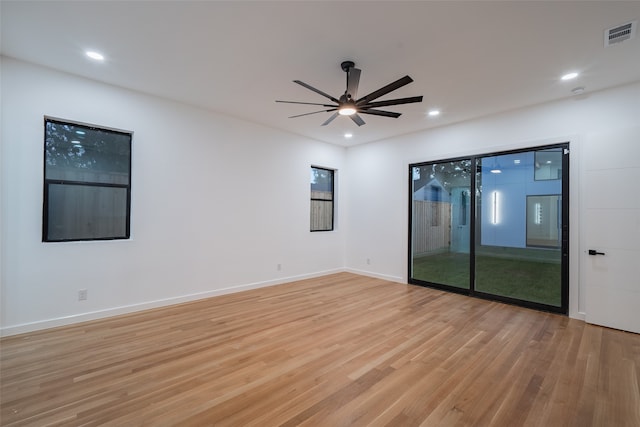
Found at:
(441, 220)
(494, 226)
(518, 252)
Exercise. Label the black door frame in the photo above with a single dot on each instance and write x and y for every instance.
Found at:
(564, 306)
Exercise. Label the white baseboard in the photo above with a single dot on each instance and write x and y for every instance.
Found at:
(578, 315)
(377, 275)
(116, 311)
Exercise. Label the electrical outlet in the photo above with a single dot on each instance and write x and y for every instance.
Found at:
(368, 261)
(279, 267)
(82, 295)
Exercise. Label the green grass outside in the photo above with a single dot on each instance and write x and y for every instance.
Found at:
(537, 280)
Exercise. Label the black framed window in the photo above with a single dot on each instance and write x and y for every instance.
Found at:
(87, 182)
(322, 206)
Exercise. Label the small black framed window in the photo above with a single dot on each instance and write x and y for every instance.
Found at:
(322, 190)
(87, 182)
(548, 165)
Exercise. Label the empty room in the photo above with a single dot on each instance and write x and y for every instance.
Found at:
(319, 213)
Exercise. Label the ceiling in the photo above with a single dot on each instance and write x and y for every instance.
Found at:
(468, 59)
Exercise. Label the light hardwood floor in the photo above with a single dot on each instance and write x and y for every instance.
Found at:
(341, 350)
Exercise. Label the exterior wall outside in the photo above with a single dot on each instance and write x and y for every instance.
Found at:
(514, 185)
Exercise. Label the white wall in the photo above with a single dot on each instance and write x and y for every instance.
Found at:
(217, 203)
(378, 173)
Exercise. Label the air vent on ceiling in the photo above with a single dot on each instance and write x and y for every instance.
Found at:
(620, 33)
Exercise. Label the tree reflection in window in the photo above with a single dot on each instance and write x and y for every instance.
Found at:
(87, 182)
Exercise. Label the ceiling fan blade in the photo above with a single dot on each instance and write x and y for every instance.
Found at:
(393, 102)
(330, 119)
(318, 91)
(306, 103)
(313, 112)
(353, 79)
(384, 90)
(357, 119)
(380, 113)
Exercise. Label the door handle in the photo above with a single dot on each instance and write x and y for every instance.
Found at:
(594, 252)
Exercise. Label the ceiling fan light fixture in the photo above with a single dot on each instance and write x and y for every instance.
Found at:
(347, 110)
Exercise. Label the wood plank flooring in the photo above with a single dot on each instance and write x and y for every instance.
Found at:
(340, 350)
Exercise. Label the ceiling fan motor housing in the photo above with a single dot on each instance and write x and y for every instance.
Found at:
(346, 65)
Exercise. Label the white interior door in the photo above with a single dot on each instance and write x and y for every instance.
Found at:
(611, 192)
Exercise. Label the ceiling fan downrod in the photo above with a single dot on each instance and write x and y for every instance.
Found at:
(346, 67)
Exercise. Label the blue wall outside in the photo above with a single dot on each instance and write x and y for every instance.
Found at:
(513, 184)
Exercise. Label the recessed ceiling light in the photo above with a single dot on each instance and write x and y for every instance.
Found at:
(569, 76)
(495, 171)
(348, 135)
(95, 55)
(434, 113)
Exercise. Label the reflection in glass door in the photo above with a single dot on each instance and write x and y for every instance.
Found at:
(494, 226)
(518, 248)
(441, 218)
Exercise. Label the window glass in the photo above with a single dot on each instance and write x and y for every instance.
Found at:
(548, 164)
(81, 153)
(87, 182)
(322, 189)
(440, 235)
(518, 251)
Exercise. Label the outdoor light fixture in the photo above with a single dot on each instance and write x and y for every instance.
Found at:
(495, 205)
(537, 219)
(496, 167)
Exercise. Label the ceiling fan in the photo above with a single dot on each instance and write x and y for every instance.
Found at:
(349, 105)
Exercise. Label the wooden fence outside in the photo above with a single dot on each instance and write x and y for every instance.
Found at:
(321, 210)
(431, 226)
